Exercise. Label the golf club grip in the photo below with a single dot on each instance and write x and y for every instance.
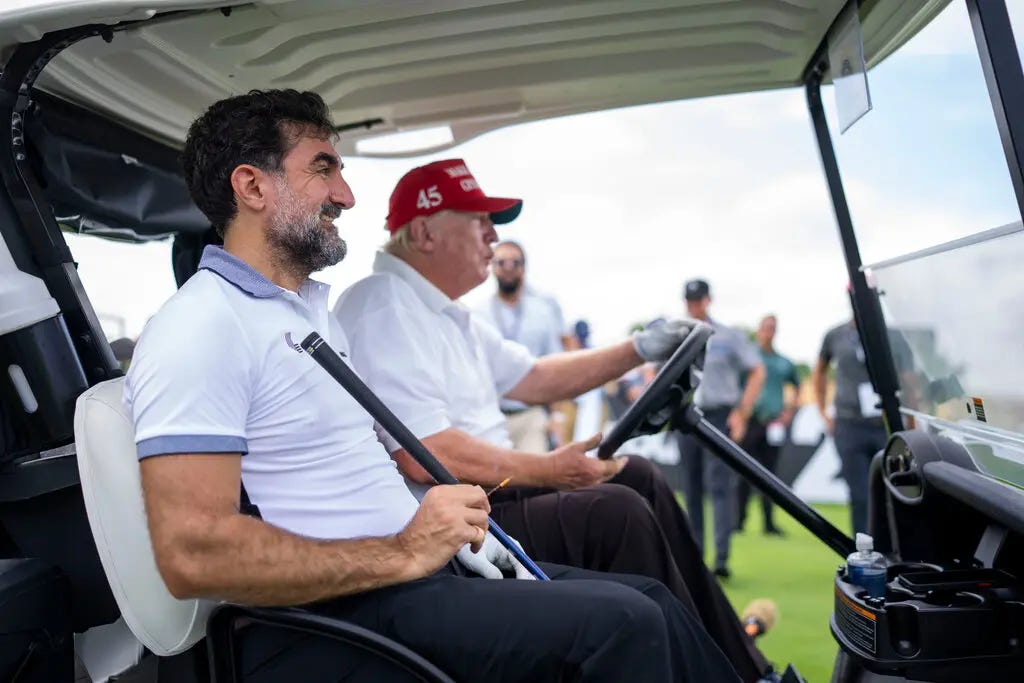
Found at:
(317, 347)
(329, 360)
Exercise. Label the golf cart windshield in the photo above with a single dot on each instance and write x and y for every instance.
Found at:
(944, 257)
(961, 335)
(926, 166)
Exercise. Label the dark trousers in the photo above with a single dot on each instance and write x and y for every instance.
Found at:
(582, 626)
(632, 525)
(857, 441)
(705, 472)
(756, 444)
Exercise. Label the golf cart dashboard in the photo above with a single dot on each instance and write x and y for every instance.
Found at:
(934, 502)
(924, 467)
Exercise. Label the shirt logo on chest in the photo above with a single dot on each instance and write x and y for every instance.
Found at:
(289, 342)
(298, 347)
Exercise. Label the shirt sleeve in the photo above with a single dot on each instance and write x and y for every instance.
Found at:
(190, 397)
(400, 361)
(826, 354)
(509, 361)
(746, 352)
(794, 376)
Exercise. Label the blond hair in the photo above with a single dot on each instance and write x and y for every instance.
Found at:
(400, 242)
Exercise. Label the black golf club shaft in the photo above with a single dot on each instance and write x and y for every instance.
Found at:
(329, 360)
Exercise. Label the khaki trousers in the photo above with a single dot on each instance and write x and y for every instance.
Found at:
(529, 430)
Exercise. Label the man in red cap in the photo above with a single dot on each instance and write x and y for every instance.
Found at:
(330, 524)
(443, 371)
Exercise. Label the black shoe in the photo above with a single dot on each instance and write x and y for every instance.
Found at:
(774, 531)
(722, 572)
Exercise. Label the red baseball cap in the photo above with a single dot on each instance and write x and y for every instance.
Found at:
(441, 185)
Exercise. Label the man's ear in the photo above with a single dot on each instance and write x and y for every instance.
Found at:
(421, 235)
(250, 186)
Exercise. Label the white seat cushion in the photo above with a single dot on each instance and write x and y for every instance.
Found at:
(109, 470)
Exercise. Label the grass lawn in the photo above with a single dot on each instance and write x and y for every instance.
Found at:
(796, 571)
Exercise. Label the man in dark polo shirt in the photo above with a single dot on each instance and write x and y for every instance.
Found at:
(856, 426)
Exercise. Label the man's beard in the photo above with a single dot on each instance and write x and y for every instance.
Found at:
(509, 287)
(299, 239)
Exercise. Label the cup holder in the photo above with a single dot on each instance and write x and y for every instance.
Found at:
(894, 570)
(897, 594)
(952, 599)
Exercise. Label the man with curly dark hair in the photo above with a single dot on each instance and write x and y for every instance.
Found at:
(220, 397)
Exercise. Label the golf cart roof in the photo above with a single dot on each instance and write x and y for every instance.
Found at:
(392, 66)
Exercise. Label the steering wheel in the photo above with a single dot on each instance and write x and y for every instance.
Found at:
(662, 397)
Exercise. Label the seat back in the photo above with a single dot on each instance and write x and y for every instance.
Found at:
(111, 487)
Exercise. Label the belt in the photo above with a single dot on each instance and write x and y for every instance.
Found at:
(514, 411)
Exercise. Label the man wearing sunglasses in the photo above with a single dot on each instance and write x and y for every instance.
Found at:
(534, 320)
(442, 371)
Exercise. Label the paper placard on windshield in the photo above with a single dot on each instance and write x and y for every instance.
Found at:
(848, 69)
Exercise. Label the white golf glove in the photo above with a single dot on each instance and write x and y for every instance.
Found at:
(491, 559)
(659, 340)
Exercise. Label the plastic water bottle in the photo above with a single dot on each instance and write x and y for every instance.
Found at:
(867, 568)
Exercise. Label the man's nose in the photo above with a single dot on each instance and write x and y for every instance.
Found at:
(341, 193)
(490, 234)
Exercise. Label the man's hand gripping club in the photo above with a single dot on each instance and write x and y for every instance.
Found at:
(452, 521)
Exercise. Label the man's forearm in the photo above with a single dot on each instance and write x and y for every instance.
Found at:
(753, 389)
(562, 376)
(474, 461)
(793, 399)
(246, 560)
(818, 381)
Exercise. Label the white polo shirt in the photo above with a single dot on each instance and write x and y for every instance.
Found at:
(535, 321)
(427, 357)
(217, 371)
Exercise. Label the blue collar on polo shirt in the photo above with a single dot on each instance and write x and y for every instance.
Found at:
(238, 272)
(245, 277)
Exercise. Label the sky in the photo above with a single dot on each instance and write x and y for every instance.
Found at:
(621, 207)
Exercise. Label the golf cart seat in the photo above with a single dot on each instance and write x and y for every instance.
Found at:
(111, 488)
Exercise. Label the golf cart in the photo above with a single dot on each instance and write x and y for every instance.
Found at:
(95, 99)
